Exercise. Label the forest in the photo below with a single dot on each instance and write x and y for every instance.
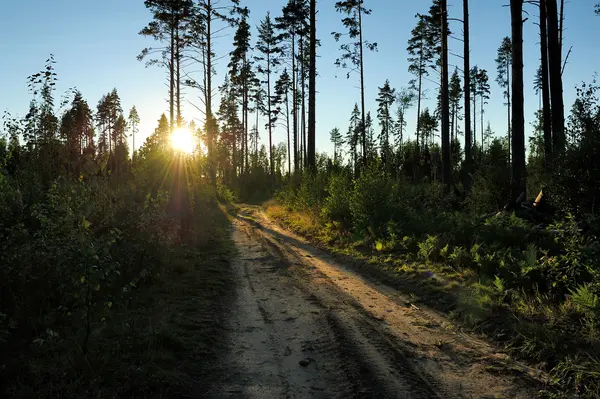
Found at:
(110, 251)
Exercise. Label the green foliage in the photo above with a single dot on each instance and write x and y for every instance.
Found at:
(369, 201)
(336, 205)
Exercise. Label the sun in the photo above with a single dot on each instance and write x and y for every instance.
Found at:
(183, 140)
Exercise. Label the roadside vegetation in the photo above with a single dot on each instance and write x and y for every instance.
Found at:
(527, 278)
(112, 270)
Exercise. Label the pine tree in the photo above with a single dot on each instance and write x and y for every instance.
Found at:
(455, 96)
(405, 100)
(352, 53)
(269, 52)
(420, 57)
(386, 98)
(241, 75)
(134, 121)
(312, 91)
(292, 25)
(467, 91)
(482, 89)
(352, 137)
(555, 75)
(429, 124)
(543, 86)
(503, 65)
(371, 144)
(282, 90)
(336, 138)
(230, 126)
(518, 120)
(168, 25)
(207, 14)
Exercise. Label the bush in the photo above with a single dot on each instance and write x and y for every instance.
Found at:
(370, 202)
(336, 205)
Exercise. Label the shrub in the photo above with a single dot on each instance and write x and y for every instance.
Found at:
(336, 205)
(370, 202)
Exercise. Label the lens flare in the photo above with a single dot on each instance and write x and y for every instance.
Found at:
(183, 140)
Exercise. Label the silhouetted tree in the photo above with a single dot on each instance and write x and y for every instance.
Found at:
(312, 91)
(455, 95)
(420, 57)
(503, 66)
(544, 87)
(385, 99)
(134, 121)
(555, 74)
(352, 53)
(518, 119)
(268, 58)
(336, 138)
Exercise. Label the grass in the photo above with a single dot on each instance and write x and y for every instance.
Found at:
(559, 338)
(164, 342)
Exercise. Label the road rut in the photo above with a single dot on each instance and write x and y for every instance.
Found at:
(304, 326)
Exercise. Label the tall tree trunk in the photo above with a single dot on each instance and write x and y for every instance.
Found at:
(287, 126)
(246, 119)
(446, 167)
(178, 74)
(312, 70)
(363, 127)
(556, 84)
(518, 118)
(467, 89)
(303, 104)
(475, 118)
(545, 91)
(294, 105)
(419, 94)
(210, 133)
(508, 91)
(561, 26)
(172, 79)
(481, 117)
(299, 117)
(256, 141)
(269, 116)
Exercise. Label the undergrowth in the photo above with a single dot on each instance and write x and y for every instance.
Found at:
(533, 288)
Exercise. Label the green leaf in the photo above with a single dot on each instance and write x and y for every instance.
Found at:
(85, 223)
(97, 287)
(82, 279)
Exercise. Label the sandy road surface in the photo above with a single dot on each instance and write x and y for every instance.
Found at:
(304, 326)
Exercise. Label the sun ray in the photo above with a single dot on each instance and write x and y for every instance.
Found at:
(183, 140)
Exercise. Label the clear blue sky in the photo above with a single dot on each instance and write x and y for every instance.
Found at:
(96, 43)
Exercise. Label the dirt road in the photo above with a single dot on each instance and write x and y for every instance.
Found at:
(305, 326)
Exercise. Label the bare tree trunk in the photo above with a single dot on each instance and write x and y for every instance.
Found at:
(546, 117)
(508, 91)
(446, 167)
(363, 127)
(210, 133)
(269, 116)
(556, 84)
(303, 104)
(481, 117)
(178, 75)
(467, 89)
(419, 95)
(287, 126)
(172, 79)
(312, 70)
(518, 119)
(294, 105)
